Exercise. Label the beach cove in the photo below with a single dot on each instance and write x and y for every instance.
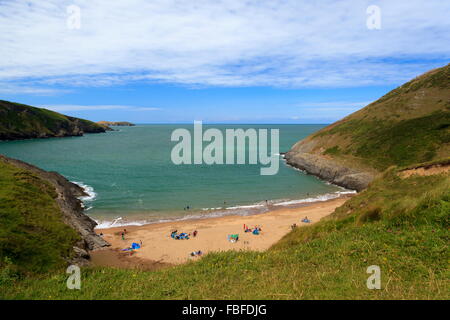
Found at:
(160, 249)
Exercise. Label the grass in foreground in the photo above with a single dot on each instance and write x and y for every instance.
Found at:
(33, 237)
(401, 225)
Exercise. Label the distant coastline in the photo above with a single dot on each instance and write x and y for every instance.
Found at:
(19, 121)
(116, 123)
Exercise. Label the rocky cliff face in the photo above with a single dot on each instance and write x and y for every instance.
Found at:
(71, 209)
(303, 156)
(410, 124)
(18, 121)
(329, 170)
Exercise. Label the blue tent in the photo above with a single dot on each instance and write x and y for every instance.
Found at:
(135, 245)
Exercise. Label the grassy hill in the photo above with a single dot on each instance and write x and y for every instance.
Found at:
(406, 236)
(400, 222)
(33, 236)
(19, 121)
(410, 124)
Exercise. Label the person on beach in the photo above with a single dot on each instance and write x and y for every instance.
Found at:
(194, 233)
(123, 235)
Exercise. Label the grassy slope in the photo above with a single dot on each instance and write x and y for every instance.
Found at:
(33, 237)
(23, 120)
(410, 124)
(408, 238)
(402, 225)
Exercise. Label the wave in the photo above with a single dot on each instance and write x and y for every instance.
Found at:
(91, 195)
(112, 224)
(246, 207)
(324, 197)
(242, 210)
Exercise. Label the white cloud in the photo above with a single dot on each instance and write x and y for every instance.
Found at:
(289, 43)
(8, 88)
(68, 107)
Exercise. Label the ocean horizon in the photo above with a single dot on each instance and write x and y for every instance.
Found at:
(130, 179)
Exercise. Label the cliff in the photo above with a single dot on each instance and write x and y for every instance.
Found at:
(19, 121)
(49, 217)
(409, 125)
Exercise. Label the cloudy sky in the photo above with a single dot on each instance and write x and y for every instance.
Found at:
(264, 61)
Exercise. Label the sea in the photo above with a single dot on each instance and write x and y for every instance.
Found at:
(130, 178)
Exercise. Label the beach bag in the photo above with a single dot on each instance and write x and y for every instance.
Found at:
(233, 238)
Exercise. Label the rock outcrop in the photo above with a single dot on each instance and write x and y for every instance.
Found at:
(116, 123)
(408, 125)
(71, 209)
(329, 170)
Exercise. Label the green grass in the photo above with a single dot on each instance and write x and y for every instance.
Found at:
(401, 225)
(33, 238)
(409, 125)
(23, 121)
(407, 237)
(405, 143)
(383, 144)
(333, 151)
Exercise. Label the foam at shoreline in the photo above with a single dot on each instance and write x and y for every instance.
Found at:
(244, 210)
(89, 198)
(206, 213)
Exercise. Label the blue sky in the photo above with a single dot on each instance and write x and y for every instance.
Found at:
(222, 61)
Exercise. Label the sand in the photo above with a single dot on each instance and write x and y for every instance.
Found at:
(159, 249)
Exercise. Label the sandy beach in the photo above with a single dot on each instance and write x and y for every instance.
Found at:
(159, 249)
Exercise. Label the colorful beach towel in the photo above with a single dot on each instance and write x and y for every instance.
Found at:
(233, 237)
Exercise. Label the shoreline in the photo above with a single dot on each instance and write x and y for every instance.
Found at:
(244, 210)
(160, 250)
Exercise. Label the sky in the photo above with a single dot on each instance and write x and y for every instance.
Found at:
(220, 61)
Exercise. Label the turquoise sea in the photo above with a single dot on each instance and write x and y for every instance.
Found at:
(130, 176)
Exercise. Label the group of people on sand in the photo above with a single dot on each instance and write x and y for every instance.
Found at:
(254, 230)
(304, 220)
(182, 235)
(196, 253)
(134, 246)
